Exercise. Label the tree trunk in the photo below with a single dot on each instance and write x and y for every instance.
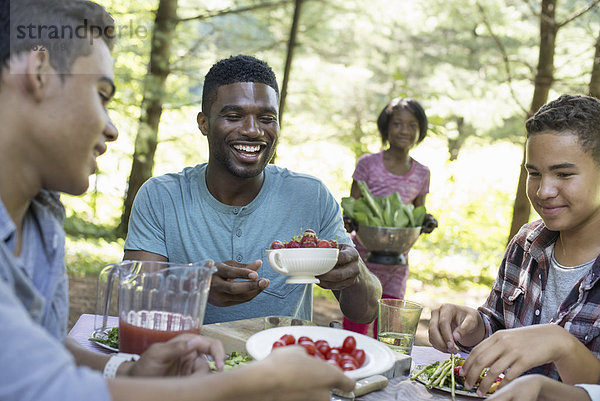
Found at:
(455, 144)
(595, 79)
(288, 59)
(152, 105)
(543, 81)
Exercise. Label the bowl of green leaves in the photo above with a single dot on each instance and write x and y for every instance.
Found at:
(387, 227)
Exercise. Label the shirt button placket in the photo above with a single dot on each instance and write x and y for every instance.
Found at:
(238, 233)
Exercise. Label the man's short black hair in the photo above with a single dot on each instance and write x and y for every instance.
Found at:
(570, 114)
(235, 69)
(64, 28)
(399, 103)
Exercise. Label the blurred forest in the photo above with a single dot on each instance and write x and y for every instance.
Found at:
(478, 67)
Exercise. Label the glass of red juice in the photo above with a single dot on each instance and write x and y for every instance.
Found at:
(157, 300)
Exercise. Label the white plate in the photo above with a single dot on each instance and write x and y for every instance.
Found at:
(102, 335)
(379, 358)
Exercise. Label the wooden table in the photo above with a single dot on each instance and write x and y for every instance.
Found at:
(234, 335)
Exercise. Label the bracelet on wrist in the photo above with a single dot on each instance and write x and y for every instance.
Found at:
(116, 360)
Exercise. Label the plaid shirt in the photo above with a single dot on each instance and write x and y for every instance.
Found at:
(517, 296)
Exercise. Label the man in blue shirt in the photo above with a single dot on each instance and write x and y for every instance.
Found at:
(231, 208)
(54, 92)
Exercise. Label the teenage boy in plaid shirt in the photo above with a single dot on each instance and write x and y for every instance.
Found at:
(547, 289)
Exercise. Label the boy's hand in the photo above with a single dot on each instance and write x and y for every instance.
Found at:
(513, 352)
(538, 387)
(294, 376)
(454, 323)
(181, 356)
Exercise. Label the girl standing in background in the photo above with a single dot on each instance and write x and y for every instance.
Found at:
(403, 124)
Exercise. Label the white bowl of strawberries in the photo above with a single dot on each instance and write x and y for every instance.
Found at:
(303, 257)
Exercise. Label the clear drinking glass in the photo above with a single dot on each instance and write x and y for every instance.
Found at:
(397, 323)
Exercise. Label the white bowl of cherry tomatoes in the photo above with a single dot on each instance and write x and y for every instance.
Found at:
(357, 355)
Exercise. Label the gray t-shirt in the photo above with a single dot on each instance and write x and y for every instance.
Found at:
(175, 215)
(561, 281)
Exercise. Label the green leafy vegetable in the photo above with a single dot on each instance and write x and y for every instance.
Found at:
(234, 359)
(382, 211)
(112, 338)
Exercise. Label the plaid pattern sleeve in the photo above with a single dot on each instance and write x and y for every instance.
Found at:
(517, 295)
(516, 298)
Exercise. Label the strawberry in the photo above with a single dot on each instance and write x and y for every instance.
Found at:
(309, 237)
(323, 244)
(277, 244)
(292, 244)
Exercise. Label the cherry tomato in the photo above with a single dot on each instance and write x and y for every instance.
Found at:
(348, 364)
(320, 356)
(359, 355)
(309, 346)
(349, 344)
(323, 346)
(347, 359)
(278, 343)
(332, 363)
(333, 353)
(288, 339)
(304, 338)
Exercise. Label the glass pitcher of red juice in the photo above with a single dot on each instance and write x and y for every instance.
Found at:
(156, 300)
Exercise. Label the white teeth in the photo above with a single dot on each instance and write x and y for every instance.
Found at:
(246, 148)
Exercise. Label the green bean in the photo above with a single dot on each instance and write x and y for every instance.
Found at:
(423, 369)
(442, 375)
(438, 371)
(453, 380)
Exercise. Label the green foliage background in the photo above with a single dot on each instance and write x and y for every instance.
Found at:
(352, 58)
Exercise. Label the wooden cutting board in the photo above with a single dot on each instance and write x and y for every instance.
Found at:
(234, 334)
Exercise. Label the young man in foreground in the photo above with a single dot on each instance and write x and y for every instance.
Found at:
(53, 107)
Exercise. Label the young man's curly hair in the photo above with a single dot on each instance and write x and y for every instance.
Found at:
(235, 69)
(570, 114)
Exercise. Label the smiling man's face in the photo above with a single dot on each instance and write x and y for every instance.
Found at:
(242, 128)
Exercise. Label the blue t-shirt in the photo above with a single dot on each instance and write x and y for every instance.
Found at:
(34, 310)
(175, 216)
